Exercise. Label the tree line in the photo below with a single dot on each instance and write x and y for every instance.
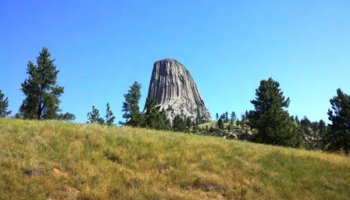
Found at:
(152, 116)
(269, 122)
(42, 100)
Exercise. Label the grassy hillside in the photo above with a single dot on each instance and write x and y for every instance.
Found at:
(55, 160)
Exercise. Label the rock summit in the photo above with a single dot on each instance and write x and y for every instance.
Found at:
(176, 93)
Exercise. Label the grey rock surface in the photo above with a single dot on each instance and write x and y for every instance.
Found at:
(172, 86)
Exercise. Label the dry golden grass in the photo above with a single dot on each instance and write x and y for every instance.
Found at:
(56, 160)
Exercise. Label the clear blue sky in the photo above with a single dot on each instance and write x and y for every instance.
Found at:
(101, 47)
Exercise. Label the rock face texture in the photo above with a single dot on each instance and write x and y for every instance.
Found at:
(173, 88)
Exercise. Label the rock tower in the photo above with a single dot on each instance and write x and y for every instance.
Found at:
(176, 93)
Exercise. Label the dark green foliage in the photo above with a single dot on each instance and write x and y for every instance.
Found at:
(164, 123)
(323, 130)
(153, 117)
(131, 108)
(220, 123)
(230, 126)
(41, 91)
(269, 96)
(296, 119)
(244, 116)
(212, 129)
(188, 124)
(338, 138)
(94, 116)
(217, 116)
(109, 116)
(66, 117)
(226, 117)
(18, 116)
(233, 117)
(272, 122)
(313, 132)
(179, 124)
(151, 112)
(195, 127)
(4, 103)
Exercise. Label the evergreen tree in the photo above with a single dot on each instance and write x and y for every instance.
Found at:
(309, 133)
(4, 103)
(195, 127)
(153, 117)
(164, 123)
(226, 117)
(220, 123)
(109, 116)
(273, 123)
(245, 115)
(217, 116)
(313, 132)
(179, 124)
(233, 116)
(18, 116)
(323, 130)
(296, 119)
(150, 113)
(305, 127)
(320, 133)
(41, 91)
(188, 124)
(339, 129)
(222, 117)
(131, 108)
(94, 116)
(66, 117)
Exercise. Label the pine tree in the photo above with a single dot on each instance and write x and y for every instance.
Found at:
(305, 126)
(66, 117)
(245, 115)
(195, 127)
(94, 116)
(109, 116)
(153, 117)
(273, 123)
(320, 129)
(323, 130)
(233, 116)
(338, 137)
(41, 91)
(164, 123)
(179, 124)
(150, 114)
(296, 119)
(188, 124)
(220, 123)
(131, 108)
(313, 133)
(226, 117)
(4, 103)
(18, 116)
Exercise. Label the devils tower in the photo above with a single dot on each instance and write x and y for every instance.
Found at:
(176, 93)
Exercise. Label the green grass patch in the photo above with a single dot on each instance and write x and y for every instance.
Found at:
(56, 160)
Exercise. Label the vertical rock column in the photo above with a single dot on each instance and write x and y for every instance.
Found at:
(175, 91)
